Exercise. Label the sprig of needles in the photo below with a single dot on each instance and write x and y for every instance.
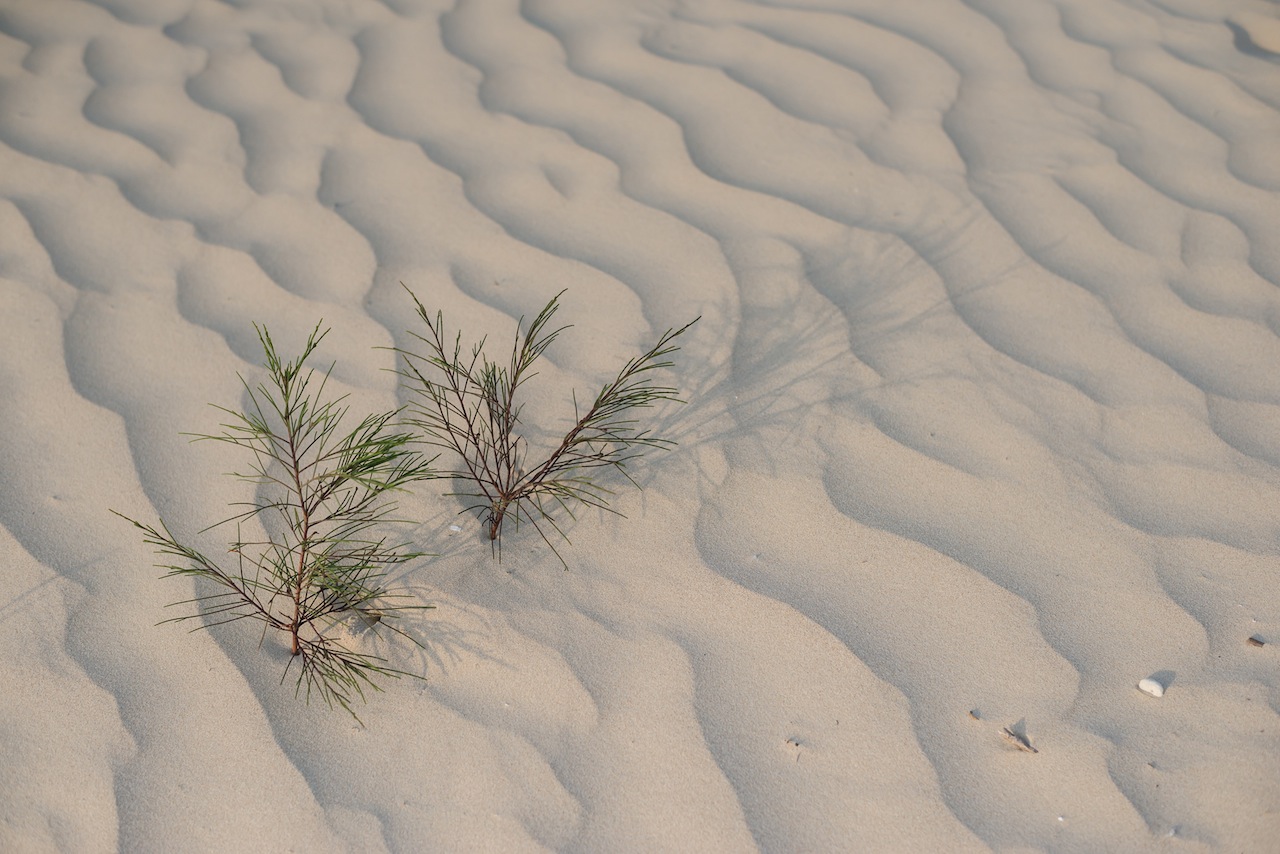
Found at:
(467, 405)
(321, 494)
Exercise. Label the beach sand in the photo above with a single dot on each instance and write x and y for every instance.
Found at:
(982, 420)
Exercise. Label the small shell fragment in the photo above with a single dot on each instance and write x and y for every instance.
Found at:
(1151, 686)
(1256, 641)
(1018, 740)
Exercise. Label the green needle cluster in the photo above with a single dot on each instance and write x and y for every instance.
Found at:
(470, 410)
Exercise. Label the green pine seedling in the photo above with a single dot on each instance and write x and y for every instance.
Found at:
(320, 493)
(470, 410)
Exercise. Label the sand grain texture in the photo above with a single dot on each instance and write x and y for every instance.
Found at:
(983, 420)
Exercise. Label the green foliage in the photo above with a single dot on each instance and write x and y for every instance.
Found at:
(321, 493)
(471, 410)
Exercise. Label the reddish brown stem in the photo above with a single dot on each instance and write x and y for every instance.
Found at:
(306, 534)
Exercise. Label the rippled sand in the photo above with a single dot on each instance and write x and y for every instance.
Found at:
(983, 420)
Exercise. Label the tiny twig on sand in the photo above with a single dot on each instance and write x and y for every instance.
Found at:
(1018, 740)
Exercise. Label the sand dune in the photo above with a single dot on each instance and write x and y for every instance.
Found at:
(983, 419)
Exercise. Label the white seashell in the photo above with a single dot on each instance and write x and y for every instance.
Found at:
(455, 528)
(1152, 687)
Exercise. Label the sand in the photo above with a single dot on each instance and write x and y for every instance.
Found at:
(982, 422)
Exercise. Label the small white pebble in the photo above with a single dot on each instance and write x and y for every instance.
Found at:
(1152, 687)
(455, 528)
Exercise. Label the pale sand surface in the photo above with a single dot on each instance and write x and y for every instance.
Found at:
(983, 416)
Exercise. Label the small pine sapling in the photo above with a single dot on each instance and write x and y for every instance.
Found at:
(321, 492)
(470, 409)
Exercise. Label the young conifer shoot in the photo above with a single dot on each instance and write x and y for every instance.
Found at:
(467, 405)
(320, 495)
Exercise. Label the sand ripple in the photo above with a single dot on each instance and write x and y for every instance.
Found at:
(984, 415)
